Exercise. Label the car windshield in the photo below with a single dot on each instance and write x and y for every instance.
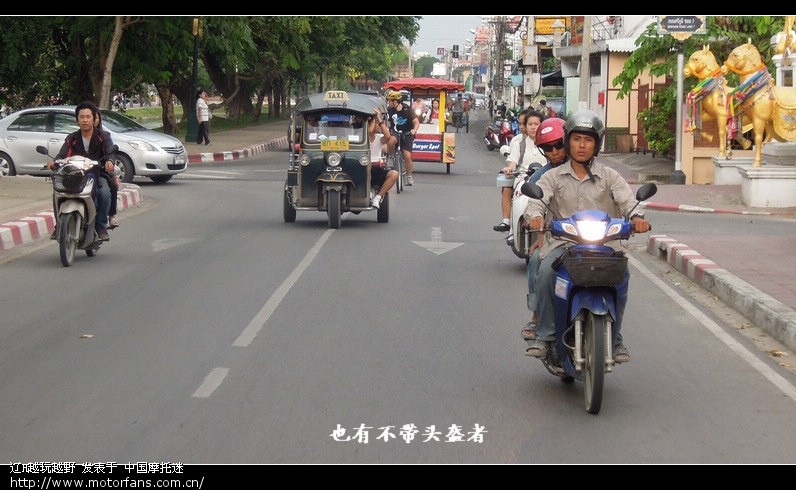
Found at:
(117, 123)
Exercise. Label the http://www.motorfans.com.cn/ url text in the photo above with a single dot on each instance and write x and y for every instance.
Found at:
(104, 475)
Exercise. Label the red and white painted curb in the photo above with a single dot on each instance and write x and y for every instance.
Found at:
(687, 208)
(272, 145)
(767, 312)
(680, 256)
(40, 225)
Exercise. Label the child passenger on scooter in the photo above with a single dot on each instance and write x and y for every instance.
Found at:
(522, 152)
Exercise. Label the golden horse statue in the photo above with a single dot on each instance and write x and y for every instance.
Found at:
(709, 99)
(786, 40)
(772, 109)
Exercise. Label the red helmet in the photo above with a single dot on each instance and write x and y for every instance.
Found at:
(551, 130)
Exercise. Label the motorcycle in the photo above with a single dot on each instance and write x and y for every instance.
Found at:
(589, 277)
(75, 209)
(498, 133)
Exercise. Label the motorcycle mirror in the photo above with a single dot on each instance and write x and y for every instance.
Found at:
(532, 190)
(646, 191)
(42, 150)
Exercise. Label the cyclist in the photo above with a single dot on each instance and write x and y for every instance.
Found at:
(404, 123)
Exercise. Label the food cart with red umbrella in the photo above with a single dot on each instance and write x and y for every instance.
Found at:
(432, 143)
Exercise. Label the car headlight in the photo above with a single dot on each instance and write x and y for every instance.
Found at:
(364, 159)
(142, 145)
(334, 159)
(304, 160)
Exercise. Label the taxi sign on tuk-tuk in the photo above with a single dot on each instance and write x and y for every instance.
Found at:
(336, 97)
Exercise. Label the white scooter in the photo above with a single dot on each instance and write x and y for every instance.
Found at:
(75, 211)
(520, 237)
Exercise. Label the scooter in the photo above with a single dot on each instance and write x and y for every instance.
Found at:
(498, 133)
(521, 237)
(589, 277)
(75, 208)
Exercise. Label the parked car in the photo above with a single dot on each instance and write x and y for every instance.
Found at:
(142, 152)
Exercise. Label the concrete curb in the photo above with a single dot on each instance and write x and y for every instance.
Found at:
(777, 319)
(272, 145)
(39, 225)
(687, 208)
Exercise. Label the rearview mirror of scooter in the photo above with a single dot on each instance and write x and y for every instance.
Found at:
(532, 190)
(646, 191)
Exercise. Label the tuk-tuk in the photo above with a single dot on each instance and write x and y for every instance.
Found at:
(330, 169)
(432, 142)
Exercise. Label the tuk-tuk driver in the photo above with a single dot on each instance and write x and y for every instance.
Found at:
(404, 123)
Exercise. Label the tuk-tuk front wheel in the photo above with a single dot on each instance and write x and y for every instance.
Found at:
(333, 208)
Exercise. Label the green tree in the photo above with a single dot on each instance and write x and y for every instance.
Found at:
(424, 66)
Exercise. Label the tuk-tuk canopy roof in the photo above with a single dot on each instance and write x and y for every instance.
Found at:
(346, 101)
(425, 83)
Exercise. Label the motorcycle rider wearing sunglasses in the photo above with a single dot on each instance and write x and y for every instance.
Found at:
(550, 140)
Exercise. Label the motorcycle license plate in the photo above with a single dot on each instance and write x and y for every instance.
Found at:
(334, 145)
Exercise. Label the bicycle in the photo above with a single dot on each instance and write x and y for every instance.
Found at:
(396, 162)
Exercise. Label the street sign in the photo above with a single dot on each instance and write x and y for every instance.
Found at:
(681, 27)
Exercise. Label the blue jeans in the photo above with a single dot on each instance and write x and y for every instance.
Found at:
(103, 197)
(533, 272)
(545, 287)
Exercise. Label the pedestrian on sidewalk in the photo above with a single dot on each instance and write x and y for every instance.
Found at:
(203, 116)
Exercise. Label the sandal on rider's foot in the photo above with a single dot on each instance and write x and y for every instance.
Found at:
(621, 354)
(537, 349)
(529, 332)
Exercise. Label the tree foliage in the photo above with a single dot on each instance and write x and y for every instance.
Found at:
(246, 60)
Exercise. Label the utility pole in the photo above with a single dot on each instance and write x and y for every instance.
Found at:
(585, 74)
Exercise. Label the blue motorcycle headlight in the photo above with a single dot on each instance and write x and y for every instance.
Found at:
(334, 159)
(591, 230)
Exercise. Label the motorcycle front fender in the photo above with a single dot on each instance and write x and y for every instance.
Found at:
(72, 205)
(341, 178)
(599, 301)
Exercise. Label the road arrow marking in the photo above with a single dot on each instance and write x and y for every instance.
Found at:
(436, 245)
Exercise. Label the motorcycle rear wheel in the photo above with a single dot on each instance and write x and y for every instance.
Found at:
(68, 231)
(594, 351)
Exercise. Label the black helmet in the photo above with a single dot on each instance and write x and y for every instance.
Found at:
(586, 122)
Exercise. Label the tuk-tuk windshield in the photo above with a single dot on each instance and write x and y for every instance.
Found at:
(334, 126)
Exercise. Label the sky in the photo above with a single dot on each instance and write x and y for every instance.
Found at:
(444, 30)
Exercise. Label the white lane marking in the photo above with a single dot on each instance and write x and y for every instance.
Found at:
(211, 382)
(775, 378)
(262, 316)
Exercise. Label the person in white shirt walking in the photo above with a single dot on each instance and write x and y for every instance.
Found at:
(203, 116)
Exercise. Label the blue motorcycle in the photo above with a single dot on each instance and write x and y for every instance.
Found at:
(590, 276)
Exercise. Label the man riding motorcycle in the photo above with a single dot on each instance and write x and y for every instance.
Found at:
(580, 184)
(94, 144)
(549, 140)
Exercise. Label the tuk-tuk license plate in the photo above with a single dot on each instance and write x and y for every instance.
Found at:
(335, 145)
